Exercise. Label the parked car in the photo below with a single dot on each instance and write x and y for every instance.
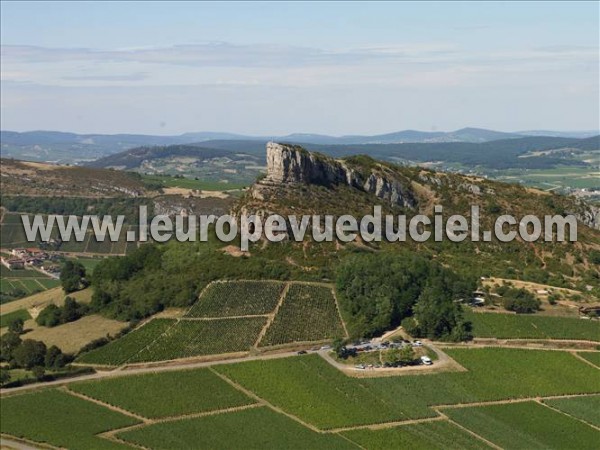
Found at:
(301, 352)
(426, 360)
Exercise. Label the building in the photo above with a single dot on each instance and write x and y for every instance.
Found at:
(13, 264)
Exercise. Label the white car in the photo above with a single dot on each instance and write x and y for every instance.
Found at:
(417, 343)
(426, 360)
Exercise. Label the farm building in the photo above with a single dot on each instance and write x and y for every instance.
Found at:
(13, 264)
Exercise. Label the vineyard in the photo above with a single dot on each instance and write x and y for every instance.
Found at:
(13, 235)
(119, 351)
(583, 408)
(189, 338)
(173, 394)
(439, 435)
(61, 420)
(308, 313)
(494, 325)
(526, 425)
(313, 390)
(229, 317)
(593, 357)
(255, 428)
(238, 298)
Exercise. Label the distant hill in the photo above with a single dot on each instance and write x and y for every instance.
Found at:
(134, 158)
(72, 148)
(22, 178)
(497, 154)
(230, 167)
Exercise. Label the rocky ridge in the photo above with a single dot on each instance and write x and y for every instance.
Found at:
(290, 164)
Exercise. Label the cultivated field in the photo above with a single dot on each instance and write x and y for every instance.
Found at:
(526, 425)
(172, 394)
(238, 299)
(593, 357)
(61, 420)
(498, 325)
(230, 317)
(119, 351)
(438, 435)
(254, 428)
(319, 394)
(189, 338)
(13, 236)
(277, 403)
(308, 313)
(583, 408)
(27, 281)
(6, 319)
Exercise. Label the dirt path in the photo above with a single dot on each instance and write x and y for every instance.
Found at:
(568, 415)
(271, 317)
(10, 442)
(443, 364)
(384, 425)
(264, 402)
(106, 405)
(120, 372)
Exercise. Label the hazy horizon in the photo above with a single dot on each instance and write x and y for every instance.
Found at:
(322, 68)
(267, 135)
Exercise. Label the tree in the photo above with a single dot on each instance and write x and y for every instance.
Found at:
(49, 316)
(38, 372)
(72, 276)
(4, 376)
(411, 326)
(520, 301)
(438, 316)
(339, 347)
(378, 291)
(16, 326)
(8, 343)
(71, 311)
(29, 354)
(55, 359)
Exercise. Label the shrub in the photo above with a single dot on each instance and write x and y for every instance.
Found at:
(520, 301)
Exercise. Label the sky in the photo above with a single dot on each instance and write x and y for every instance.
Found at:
(266, 68)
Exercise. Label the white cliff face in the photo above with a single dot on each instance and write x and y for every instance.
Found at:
(291, 164)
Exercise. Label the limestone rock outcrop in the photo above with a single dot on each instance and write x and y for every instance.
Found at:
(290, 164)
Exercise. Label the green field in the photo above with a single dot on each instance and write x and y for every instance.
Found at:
(20, 273)
(439, 435)
(318, 393)
(593, 357)
(6, 319)
(169, 393)
(238, 298)
(308, 313)
(60, 419)
(190, 183)
(584, 408)
(496, 325)
(255, 428)
(203, 337)
(552, 178)
(12, 235)
(526, 425)
(119, 351)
